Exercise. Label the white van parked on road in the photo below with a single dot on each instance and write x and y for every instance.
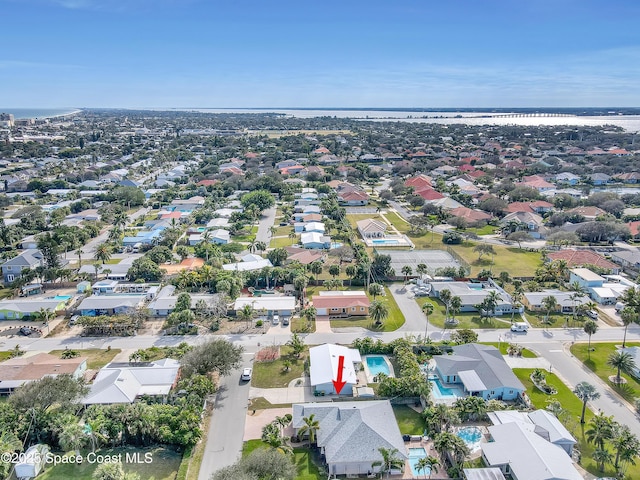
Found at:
(520, 327)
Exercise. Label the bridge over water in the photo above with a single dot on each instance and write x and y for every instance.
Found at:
(525, 115)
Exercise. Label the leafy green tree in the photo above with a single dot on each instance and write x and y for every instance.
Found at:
(406, 271)
(217, 355)
(159, 254)
(334, 270)
(585, 392)
(9, 443)
(73, 438)
(464, 335)
(144, 269)
(262, 199)
(183, 302)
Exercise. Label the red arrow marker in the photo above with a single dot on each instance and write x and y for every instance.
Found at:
(338, 384)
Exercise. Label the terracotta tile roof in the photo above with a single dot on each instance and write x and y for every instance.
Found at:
(340, 301)
(634, 227)
(37, 366)
(579, 258)
(429, 194)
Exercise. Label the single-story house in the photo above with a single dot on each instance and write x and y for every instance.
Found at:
(635, 354)
(109, 304)
(314, 227)
(104, 287)
(124, 382)
(249, 262)
(351, 434)
(304, 256)
(527, 221)
(481, 370)
(347, 303)
(627, 258)
(165, 302)
(28, 307)
(582, 258)
(520, 452)
(20, 370)
(371, 228)
(323, 361)
(315, 240)
(542, 422)
(474, 293)
(533, 300)
(283, 305)
(219, 237)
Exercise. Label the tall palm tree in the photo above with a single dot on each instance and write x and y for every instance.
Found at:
(427, 309)
(390, 461)
(310, 427)
(246, 313)
(623, 362)
(455, 305)
(406, 271)
(73, 437)
(602, 456)
(79, 252)
(445, 297)
(550, 303)
(623, 440)
(103, 252)
(590, 327)
(378, 311)
(585, 392)
(628, 316)
(492, 301)
(421, 269)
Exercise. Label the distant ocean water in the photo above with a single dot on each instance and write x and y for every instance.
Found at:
(38, 112)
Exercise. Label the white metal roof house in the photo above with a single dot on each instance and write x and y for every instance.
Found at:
(270, 304)
(324, 360)
(124, 383)
(525, 455)
(110, 304)
(249, 262)
(351, 434)
(481, 370)
(542, 422)
(315, 240)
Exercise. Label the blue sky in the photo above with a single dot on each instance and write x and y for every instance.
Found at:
(347, 53)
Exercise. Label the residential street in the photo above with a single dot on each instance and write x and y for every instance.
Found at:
(264, 224)
(226, 430)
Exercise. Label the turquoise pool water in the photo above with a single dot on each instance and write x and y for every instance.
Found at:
(440, 392)
(471, 436)
(61, 297)
(377, 364)
(415, 454)
(385, 241)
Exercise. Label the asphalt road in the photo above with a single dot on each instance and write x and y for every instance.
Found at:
(264, 224)
(226, 430)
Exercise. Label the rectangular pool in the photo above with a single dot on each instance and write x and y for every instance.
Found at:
(377, 364)
(415, 454)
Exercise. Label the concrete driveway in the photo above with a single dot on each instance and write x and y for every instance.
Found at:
(256, 421)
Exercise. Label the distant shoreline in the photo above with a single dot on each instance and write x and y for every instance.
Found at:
(36, 113)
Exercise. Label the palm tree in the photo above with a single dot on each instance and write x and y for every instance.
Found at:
(73, 437)
(492, 301)
(293, 237)
(445, 296)
(421, 269)
(625, 444)
(310, 427)
(390, 461)
(600, 431)
(628, 316)
(406, 271)
(261, 246)
(310, 313)
(590, 327)
(378, 311)
(375, 289)
(455, 304)
(9, 443)
(252, 246)
(79, 252)
(316, 269)
(246, 313)
(427, 309)
(103, 252)
(549, 303)
(623, 362)
(351, 272)
(585, 392)
(602, 456)
(430, 463)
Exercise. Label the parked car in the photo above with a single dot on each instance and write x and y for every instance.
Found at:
(275, 320)
(592, 314)
(26, 331)
(73, 320)
(246, 374)
(520, 327)
(285, 321)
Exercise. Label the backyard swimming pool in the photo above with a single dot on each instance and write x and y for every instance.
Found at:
(440, 392)
(378, 364)
(415, 454)
(471, 436)
(384, 241)
(61, 297)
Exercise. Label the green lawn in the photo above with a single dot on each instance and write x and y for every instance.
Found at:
(283, 231)
(392, 323)
(4, 356)
(556, 320)
(526, 353)
(273, 374)
(164, 465)
(283, 241)
(465, 319)
(598, 364)
(573, 406)
(302, 325)
(486, 230)
(354, 218)
(261, 403)
(97, 358)
(409, 421)
(397, 221)
(111, 261)
(307, 469)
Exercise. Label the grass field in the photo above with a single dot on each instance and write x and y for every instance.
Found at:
(392, 323)
(502, 346)
(556, 320)
(283, 241)
(598, 365)
(307, 470)
(97, 358)
(573, 406)
(4, 356)
(273, 374)
(302, 325)
(164, 465)
(465, 319)
(409, 421)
